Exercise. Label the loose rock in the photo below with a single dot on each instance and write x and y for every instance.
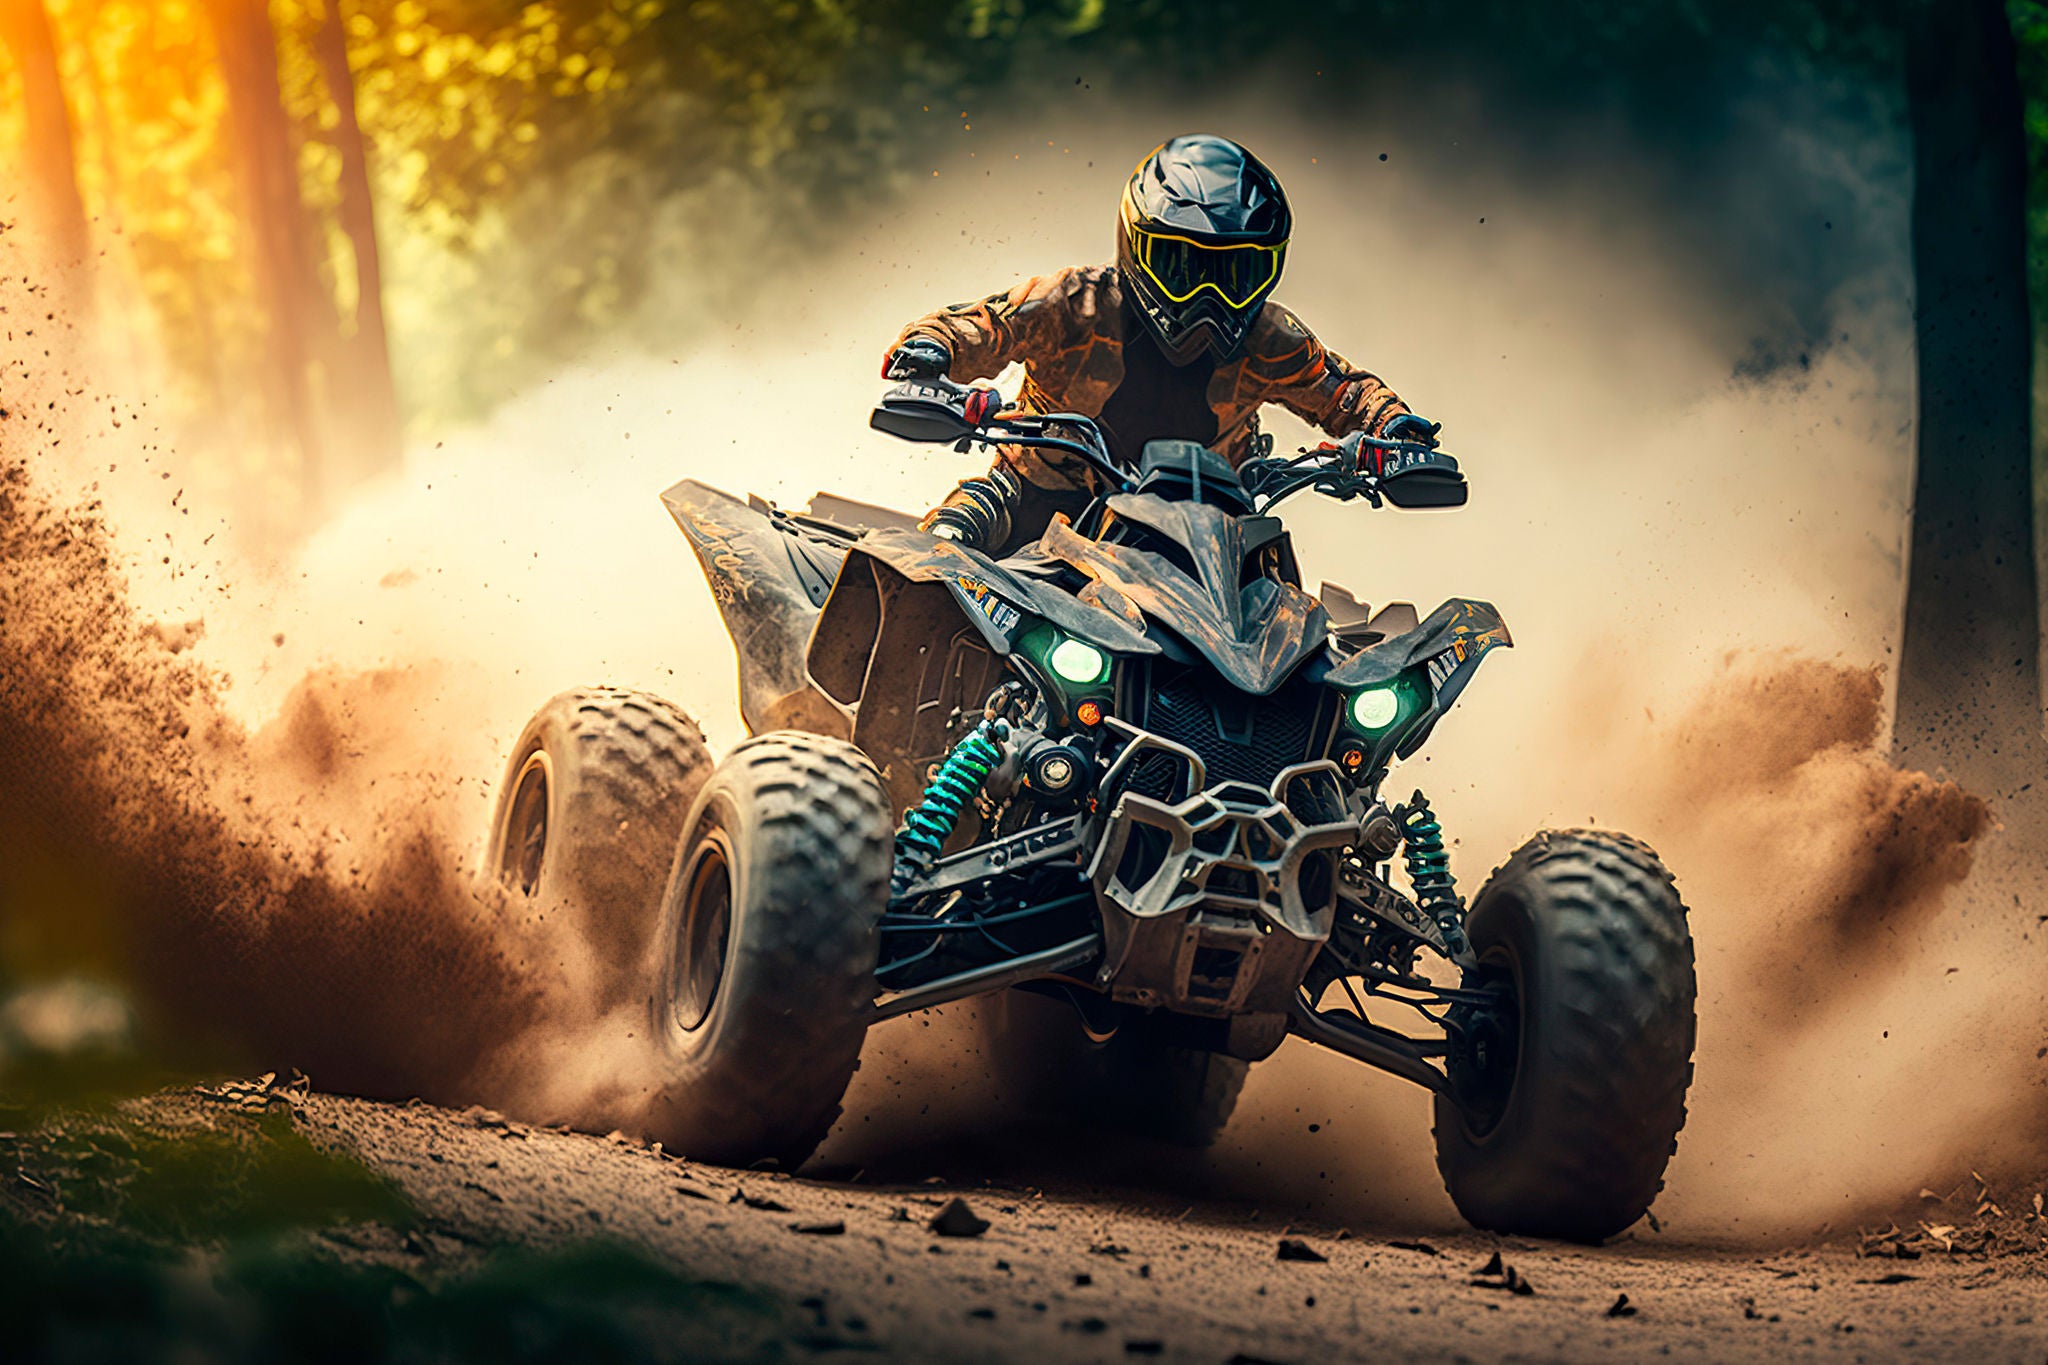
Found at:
(958, 1220)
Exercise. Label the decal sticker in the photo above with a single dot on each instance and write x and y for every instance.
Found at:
(1443, 665)
(730, 582)
(1000, 613)
(1401, 461)
(1464, 631)
(1440, 667)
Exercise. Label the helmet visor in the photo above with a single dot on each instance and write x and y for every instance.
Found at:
(1182, 267)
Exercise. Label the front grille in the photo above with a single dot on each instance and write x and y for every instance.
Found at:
(1238, 738)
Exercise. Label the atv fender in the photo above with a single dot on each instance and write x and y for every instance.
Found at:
(768, 588)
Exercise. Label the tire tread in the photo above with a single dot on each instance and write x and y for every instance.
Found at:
(1617, 1054)
(823, 842)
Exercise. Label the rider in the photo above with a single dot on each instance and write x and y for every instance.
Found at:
(1178, 339)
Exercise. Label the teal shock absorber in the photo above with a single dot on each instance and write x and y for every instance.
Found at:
(1429, 869)
(930, 822)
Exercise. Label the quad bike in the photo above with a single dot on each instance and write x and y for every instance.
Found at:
(1127, 782)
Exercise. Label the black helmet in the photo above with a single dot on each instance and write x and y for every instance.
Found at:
(1200, 239)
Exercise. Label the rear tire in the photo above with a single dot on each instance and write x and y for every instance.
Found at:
(767, 950)
(1564, 1125)
(588, 814)
(1136, 1082)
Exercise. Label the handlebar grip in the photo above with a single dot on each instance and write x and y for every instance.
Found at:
(1360, 456)
(980, 405)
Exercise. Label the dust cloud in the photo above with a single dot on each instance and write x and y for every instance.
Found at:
(273, 827)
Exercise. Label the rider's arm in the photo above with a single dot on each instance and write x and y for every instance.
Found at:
(1288, 366)
(1032, 320)
(1037, 322)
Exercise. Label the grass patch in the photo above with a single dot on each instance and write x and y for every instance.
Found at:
(212, 1179)
(182, 1228)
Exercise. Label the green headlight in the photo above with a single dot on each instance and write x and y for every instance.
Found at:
(1077, 661)
(1376, 708)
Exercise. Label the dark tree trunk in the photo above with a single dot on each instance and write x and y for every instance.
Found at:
(297, 309)
(52, 159)
(1969, 697)
(367, 394)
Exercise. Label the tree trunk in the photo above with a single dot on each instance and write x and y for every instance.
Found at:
(52, 159)
(370, 399)
(288, 288)
(1969, 699)
(123, 309)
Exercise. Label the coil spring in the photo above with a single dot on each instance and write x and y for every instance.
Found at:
(982, 516)
(1429, 867)
(958, 780)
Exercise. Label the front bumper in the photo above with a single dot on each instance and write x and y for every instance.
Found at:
(1215, 904)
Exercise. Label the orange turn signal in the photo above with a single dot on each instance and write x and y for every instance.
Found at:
(1089, 713)
(1353, 757)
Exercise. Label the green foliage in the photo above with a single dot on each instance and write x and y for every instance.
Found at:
(743, 129)
(197, 1180)
(543, 167)
(185, 1228)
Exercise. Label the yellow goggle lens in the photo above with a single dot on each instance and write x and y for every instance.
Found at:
(1183, 267)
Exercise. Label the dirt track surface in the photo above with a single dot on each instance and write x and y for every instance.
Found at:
(1092, 1274)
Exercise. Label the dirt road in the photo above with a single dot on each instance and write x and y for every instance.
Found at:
(1087, 1273)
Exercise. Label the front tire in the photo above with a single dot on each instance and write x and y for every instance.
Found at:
(767, 949)
(1566, 1109)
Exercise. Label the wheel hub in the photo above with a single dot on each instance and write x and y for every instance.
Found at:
(1487, 1040)
(702, 937)
(524, 848)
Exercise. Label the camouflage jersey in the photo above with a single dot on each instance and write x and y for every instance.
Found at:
(1082, 353)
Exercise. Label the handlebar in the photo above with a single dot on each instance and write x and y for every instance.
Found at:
(1407, 473)
(941, 409)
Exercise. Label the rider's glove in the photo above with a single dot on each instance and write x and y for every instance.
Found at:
(917, 358)
(1411, 427)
